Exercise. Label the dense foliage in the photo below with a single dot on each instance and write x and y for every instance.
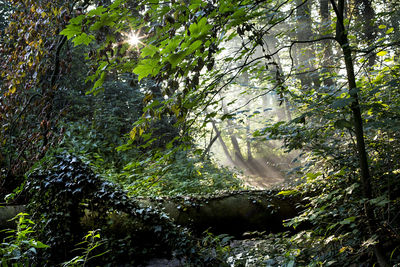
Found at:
(69, 192)
(134, 89)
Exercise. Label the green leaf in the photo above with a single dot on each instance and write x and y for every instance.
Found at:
(350, 189)
(194, 29)
(71, 31)
(97, 84)
(147, 67)
(115, 4)
(288, 192)
(313, 176)
(202, 22)
(382, 26)
(83, 39)
(194, 46)
(39, 244)
(380, 201)
(176, 58)
(382, 53)
(149, 50)
(100, 81)
(348, 220)
(390, 30)
(240, 13)
(97, 11)
(171, 45)
(227, 116)
(194, 4)
(77, 20)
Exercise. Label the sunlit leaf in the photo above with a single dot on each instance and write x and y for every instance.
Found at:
(381, 53)
(83, 39)
(348, 220)
(390, 30)
(288, 192)
(147, 67)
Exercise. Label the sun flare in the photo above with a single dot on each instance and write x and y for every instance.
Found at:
(133, 39)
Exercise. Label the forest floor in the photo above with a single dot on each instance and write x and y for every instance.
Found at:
(260, 183)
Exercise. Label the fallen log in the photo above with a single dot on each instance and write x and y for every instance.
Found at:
(232, 213)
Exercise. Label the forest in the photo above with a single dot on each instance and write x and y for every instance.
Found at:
(199, 133)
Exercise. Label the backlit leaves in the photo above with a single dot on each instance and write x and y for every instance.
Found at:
(381, 53)
(147, 67)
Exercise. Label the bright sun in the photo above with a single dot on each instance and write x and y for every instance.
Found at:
(133, 39)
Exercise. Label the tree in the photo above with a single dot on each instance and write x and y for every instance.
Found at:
(342, 39)
(30, 64)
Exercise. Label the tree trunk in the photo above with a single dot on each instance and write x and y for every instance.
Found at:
(234, 213)
(222, 142)
(307, 73)
(327, 44)
(341, 37)
(248, 140)
(367, 15)
(210, 144)
(238, 156)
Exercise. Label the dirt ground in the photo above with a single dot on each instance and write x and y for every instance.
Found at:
(259, 183)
